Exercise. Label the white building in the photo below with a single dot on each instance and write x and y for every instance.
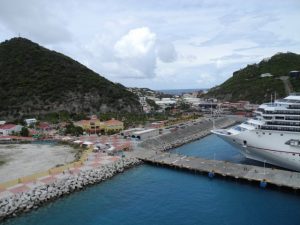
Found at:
(192, 100)
(145, 134)
(31, 121)
(9, 129)
(129, 132)
(266, 75)
(165, 102)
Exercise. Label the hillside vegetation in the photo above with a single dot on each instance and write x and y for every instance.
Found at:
(247, 83)
(36, 81)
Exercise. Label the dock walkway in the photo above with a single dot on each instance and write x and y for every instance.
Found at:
(270, 176)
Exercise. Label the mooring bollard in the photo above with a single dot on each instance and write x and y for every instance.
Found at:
(263, 183)
(211, 174)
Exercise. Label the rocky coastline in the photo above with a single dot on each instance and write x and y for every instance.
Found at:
(26, 201)
(183, 136)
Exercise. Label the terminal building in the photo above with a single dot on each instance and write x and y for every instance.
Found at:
(129, 132)
(145, 134)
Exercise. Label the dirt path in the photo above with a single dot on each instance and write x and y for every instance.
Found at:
(287, 84)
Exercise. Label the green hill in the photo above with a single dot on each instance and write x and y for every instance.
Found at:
(247, 83)
(36, 81)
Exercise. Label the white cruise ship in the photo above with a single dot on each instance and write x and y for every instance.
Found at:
(272, 136)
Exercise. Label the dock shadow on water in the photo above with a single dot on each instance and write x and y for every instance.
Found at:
(155, 195)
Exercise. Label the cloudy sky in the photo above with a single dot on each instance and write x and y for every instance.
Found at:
(165, 44)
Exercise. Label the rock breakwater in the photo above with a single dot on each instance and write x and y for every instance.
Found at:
(68, 183)
(185, 135)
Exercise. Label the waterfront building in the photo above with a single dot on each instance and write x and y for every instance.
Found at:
(145, 134)
(92, 125)
(9, 129)
(112, 125)
(129, 132)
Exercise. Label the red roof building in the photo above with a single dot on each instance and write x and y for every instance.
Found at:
(44, 126)
(8, 129)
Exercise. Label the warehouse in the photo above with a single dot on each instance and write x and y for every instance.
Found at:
(145, 134)
(129, 132)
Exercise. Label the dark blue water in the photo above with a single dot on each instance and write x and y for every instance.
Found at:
(151, 195)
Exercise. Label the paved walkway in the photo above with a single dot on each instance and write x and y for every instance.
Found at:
(281, 178)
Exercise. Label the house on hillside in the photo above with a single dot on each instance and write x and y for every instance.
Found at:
(9, 129)
(266, 75)
(30, 122)
(294, 74)
(43, 126)
(113, 125)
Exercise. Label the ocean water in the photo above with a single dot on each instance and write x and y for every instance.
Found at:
(179, 91)
(212, 147)
(152, 195)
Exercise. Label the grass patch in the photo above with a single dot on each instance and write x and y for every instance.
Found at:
(2, 162)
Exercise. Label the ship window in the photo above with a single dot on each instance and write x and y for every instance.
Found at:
(281, 134)
(263, 133)
(233, 140)
(269, 133)
(245, 142)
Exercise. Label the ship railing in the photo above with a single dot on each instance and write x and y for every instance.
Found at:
(295, 94)
(282, 112)
(283, 123)
(294, 107)
(292, 129)
(292, 118)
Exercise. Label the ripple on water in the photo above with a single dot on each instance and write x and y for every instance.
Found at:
(151, 195)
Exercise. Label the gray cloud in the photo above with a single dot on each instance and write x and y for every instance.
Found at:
(33, 19)
(182, 36)
(166, 51)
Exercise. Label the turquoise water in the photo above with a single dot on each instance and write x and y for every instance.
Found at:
(153, 195)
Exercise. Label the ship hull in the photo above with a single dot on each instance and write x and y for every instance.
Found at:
(266, 146)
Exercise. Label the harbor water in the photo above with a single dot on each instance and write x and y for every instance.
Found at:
(155, 195)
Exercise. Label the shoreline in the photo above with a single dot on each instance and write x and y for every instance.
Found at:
(23, 202)
(19, 203)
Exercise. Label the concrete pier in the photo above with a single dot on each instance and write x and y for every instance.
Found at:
(265, 176)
